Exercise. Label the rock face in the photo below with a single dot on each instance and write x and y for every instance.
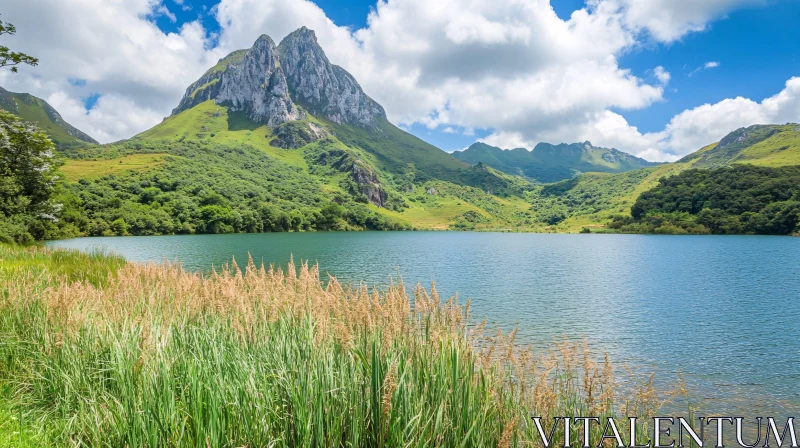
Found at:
(297, 134)
(257, 86)
(207, 87)
(322, 88)
(268, 83)
(369, 184)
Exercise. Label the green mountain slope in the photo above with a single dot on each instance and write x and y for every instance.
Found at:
(591, 200)
(209, 170)
(36, 110)
(764, 145)
(552, 163)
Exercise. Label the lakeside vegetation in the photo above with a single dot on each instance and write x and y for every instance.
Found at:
(742, 199)
(119, 354)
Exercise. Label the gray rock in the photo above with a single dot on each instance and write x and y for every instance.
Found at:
(369, 184)
(207, 87)
(257, 86)
(297, 134)
(322, 88)
(268, 83)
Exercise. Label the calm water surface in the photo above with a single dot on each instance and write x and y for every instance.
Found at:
(725, 311)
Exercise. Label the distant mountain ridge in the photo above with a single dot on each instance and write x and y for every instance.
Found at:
(553, 163)
(37, 110)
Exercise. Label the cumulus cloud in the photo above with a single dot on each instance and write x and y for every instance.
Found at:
(114, 51)
(509, 66)
(670, 20)
(690, 130)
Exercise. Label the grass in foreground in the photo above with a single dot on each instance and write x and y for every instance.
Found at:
(154, 356)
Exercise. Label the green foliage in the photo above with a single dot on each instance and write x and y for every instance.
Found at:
(56, 265)
(740, 199)
(413, 160)
(27, 180)
(765, 145)
(10, 58)
(205, 187)
(587, 194)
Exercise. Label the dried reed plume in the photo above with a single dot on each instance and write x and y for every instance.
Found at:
(150, 355)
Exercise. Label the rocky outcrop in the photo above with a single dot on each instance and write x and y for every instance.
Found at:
(268, 83)
(257, 86)
(297, 134)
(322, 88)
(208, 86)
(369, 184)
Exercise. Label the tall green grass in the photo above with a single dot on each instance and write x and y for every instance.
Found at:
(151, 356)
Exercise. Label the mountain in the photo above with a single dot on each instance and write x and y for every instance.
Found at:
(552, 163)
(36, 110)
(277, 138)
(300, 97)
(764, 145)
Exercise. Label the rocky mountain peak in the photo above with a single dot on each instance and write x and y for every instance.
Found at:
(268, 82)
(322, 88)
(257, 86)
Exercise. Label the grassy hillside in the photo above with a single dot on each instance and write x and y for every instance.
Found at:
(209, 170)
(423, 188)
(75, 170)
(552, 163)
(36, 110)
(415, 161)
(763, 145)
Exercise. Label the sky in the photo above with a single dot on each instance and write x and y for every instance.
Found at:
(656, 78)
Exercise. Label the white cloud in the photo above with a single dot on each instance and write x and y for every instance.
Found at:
(670, 20)
(508, 65)
(662, 75)
(694, 128)
(115, 50)
(686, 132)
(506, 140)
(164, 11)
(707, 66)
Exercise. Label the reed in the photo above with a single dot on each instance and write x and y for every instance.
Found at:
(151, 356)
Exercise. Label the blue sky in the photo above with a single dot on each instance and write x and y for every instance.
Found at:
(753, 51)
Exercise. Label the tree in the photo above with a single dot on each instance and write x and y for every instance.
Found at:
(27, 167)
(10, 58)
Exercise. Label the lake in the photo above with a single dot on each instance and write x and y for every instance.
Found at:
(722, 310)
